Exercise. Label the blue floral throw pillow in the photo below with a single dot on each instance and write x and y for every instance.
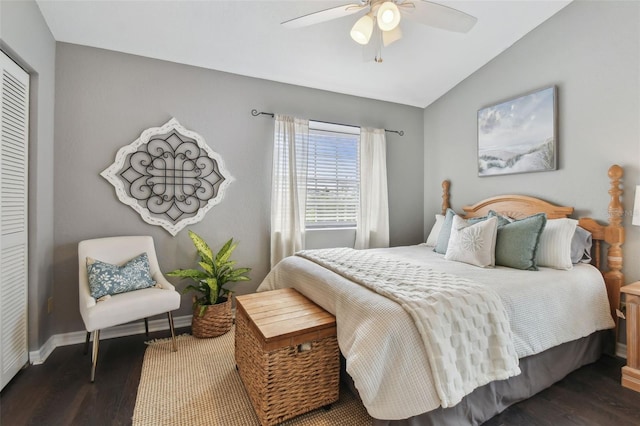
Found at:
(106, 279)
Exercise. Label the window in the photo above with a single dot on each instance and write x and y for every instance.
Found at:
(333, 177)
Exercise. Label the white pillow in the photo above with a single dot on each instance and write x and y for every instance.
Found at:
(473, 243)
(554, 248)
(432, 239)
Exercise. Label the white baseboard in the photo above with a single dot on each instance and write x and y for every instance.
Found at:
(39, 356)
(621, 350)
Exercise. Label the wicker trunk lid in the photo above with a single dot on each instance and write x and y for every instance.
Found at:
(287, 354)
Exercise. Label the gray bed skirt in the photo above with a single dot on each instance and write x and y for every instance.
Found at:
(538, 372)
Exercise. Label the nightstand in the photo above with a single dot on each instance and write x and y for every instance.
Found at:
(631, 372)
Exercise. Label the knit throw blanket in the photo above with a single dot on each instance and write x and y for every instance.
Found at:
(463, 324)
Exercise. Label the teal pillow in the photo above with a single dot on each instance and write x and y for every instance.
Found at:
(445, 232)
(106, 279)
(501, 219)
(474, 220)
(517, 242)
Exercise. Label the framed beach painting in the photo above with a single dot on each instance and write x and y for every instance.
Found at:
(519, 135)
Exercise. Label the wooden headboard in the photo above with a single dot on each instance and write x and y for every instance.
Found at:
(612, 234)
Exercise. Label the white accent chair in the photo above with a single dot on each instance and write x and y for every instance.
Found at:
(124, 307)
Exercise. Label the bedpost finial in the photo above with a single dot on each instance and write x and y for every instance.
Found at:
(615, 172)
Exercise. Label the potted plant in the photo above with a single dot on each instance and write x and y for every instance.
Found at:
(212, 305)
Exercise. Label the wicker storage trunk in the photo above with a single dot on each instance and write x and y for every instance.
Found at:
(287, 354)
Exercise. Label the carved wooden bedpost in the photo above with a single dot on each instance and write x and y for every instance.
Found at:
(445, 196)
(614, 236)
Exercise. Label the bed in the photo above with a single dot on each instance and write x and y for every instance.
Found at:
(397, 347)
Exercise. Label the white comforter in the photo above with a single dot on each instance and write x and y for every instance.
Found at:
(463, 324)
(384, 351)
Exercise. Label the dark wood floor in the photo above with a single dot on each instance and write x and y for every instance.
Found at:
(591, 395)
(59, 393)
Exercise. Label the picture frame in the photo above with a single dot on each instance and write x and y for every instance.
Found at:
(519, 135)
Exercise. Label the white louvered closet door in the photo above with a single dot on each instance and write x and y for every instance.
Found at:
(14, 116)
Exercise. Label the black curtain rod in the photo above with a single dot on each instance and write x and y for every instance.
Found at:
(256, 113)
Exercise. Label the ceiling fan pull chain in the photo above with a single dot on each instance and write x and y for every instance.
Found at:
(378, 57)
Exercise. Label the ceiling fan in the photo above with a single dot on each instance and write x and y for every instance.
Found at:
(379, 26)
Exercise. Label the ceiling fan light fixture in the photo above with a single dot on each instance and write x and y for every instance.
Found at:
(362, 30)
(388, 16)
(392, 36)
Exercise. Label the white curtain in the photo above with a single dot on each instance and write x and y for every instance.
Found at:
(288, 186)
(373, 215)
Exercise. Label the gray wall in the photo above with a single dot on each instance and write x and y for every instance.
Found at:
(25, 37)
(590, 51)
(105, 99)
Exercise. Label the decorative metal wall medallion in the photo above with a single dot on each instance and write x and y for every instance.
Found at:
(169, 175)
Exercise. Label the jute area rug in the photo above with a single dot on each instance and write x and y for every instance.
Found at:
(199, 385)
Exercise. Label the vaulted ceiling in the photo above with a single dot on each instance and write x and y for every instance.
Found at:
(246, 38)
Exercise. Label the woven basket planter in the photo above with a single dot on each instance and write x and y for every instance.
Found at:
(216, 320)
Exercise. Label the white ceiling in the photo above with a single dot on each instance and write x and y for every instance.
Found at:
(245, 37)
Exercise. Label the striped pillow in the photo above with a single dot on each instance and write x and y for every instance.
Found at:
(554, 248)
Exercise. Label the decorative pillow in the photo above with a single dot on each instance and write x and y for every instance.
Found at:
(517, 242)
(473, 243)
(554, 248)
(445, 232)
(106, 279)
(581, 246)
(473, 220)
(432, 239)
(502, 219)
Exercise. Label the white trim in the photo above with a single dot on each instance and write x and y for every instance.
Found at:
(40, 356)
(621, 350)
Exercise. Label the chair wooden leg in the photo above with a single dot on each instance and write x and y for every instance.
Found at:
(146, 327)
(86, 344)
(173, 332)
(94, 354)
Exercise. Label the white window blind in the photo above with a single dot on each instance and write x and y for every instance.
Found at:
(333, 177)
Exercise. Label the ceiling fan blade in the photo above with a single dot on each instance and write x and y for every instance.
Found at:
(437, 15)
(392, 36)
(323, 15)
